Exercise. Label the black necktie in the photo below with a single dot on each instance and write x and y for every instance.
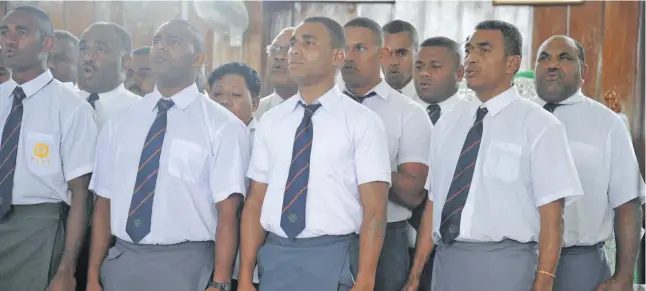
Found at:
(549, 106)
(434, 112)
(9, 150)
(459, 189)
(359, 98)
(92, 99)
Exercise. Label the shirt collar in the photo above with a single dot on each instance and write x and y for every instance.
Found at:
(182, 99)
(117, 91)
(328, 101)
(498, 103)
(409, 90)
(447, 104)
(382, 89)
(31, 87)
(252, 124)
(577, 97)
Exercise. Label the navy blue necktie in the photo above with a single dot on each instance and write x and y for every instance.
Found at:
(9, 150)
(549, 106)
(434, 112)
(292, 218)
(461, 183)
(141, 205)
(92, 99)
(359, 99)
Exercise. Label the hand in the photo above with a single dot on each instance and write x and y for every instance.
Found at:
(62, 282)
(411, 285)
(248, 286)
(616, 284)
(93, 286)
(543, 283)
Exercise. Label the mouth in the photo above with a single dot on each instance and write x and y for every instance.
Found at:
(160, 59)
(8, 52)
(279, 68)
(425, 85)
(88, 71)
(393, 71)
(294, 64)
(469, 73)
(349, 69)
(552, 76)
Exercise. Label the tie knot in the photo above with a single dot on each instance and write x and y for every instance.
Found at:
(19, 94)
(480, 114)
(359, 98)
(310, 108)
(550, 106)
(93, 97)
(433, 108)
(165, 104)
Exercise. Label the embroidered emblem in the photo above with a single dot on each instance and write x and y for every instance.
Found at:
(41, 153)
(453, 229)
(292, 217)
(136, 223)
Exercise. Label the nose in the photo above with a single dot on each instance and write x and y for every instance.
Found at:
(88, 58)
(425, 73)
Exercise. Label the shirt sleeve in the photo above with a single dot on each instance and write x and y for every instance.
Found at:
(371, 158)
(229, 161)
(101, 182)
(553, 171)
(259, 166)
(78, 142)
(626, 182)
(416, 137)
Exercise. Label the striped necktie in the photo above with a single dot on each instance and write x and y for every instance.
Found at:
(92, 99)
(359, 99)
(461, 183)
(9, 150)
(141, 205)
(434, 112)
(292, 218)
(549, 106)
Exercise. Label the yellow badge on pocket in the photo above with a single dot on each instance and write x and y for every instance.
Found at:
(41, 153)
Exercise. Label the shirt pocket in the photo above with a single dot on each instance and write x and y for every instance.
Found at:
(42, 154)
(186, 160)
(503, 161)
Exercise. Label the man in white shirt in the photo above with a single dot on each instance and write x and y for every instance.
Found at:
(408, 129)
(500, 176)
(437, 72)
(140, 79)
(320, 175)
(284, 86)
(170, 176)
(103, 61)
(62, 60)
(48, 143)
(400, 37)
(607, 167)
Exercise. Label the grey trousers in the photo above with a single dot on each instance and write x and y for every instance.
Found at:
(582, 268)
(32, 238)
(136, 267)
(324, 263)
(487, 266)
(394, 261)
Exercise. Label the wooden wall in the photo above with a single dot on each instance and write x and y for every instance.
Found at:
(609, 32)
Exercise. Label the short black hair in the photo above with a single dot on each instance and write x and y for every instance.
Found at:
(369, 24)
(66, 35)
(337, 36)
(122, 34)
(397, 26)
(197, 38)
(445, 42)
(251, 77)
(511, 36)
(144, 50)
(45, 26)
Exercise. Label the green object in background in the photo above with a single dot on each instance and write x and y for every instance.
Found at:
(525, 74)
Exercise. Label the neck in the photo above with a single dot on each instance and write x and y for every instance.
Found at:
(313, 92)
(286, 91)
(402, 85)
(486, 95)
(106, 88)
(168, 89)
(362, 91)
(248, 121)
(28, 75)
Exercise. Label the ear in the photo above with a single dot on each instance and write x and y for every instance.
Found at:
(513, 64)
(126, 61)
(384, 52)
(48, 43)
(584, 72)
(199, 60)
(460, 73)
(254, 103)
(338, 57)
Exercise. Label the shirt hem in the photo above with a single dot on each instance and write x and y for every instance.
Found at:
(78, 172)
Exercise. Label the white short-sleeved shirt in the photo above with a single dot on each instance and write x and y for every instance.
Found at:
(409, 133)
(57, 139)
(607, 167)
(524, 162)
(349, 148)
(203, 160)
(111, 102)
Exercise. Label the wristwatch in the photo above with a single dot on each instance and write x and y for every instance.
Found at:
(222, 286)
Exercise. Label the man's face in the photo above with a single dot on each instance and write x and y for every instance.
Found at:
(558, 72)
(397, 65)
(23, 47)
(485, 65)
(140, 78)
(102, 63)
(62, 60)
(311, 56)
(362, 57)
(277, 59)
(437, 73)
(172, 53)
(231, 92)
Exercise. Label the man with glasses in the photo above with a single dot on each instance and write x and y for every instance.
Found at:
(284, 86)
